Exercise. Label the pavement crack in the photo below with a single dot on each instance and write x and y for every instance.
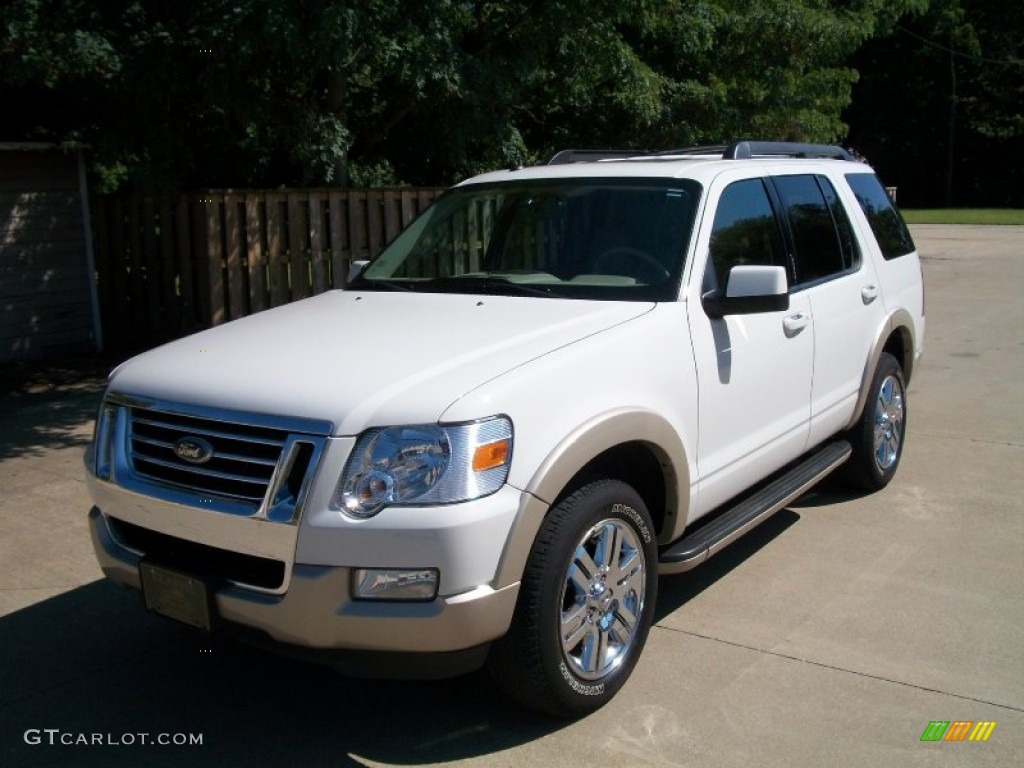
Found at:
(835, 668)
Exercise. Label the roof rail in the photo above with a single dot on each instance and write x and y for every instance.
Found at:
(707, 149)
(738, 150)
(744, 150)
(567, 156)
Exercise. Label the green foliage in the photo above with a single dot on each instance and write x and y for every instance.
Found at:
(376, 175)
(270, 92)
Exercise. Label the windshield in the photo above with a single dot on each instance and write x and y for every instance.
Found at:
(614, 239)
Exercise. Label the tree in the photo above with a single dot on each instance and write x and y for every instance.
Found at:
(269, 92)
(211, 93)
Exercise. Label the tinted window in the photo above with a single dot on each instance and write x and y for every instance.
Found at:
(745, 232)
(818, 254)
(589, 238)
(847, 242)
(890, 231)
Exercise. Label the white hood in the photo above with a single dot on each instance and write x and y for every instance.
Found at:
(361, 359)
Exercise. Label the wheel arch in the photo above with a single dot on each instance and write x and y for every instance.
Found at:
(897, 338)
(636, 446)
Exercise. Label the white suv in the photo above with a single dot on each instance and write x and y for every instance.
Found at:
(558, 383)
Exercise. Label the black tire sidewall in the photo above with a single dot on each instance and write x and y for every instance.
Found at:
(871, 476)
(607, 499)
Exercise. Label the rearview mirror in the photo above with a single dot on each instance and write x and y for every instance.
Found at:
(749, 290)
(355, 269)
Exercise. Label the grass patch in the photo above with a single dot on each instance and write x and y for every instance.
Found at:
(964, 216)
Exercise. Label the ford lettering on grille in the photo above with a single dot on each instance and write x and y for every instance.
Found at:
(194, 450)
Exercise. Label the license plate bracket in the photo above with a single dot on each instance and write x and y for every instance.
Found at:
(177, 595)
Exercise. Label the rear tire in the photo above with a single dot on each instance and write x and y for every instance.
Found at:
(878, 437)
(585, 604)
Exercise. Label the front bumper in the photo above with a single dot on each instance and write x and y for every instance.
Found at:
(317, 612)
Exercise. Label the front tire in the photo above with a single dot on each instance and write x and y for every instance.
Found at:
(585, 604)
(878, 437)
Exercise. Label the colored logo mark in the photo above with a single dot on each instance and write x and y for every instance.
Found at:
(958, 730)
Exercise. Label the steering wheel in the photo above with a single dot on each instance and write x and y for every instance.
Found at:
(621, 259)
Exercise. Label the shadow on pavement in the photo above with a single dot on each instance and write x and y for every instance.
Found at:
(675, 591)
(92, 661)
(45, 406)
(830, 491)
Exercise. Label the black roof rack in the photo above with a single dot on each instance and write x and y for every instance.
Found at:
(706, 149)
(737, 150)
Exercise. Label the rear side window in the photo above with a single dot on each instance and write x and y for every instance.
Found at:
(819, 253)
(745, 232)
(847, 242)
(890, 230)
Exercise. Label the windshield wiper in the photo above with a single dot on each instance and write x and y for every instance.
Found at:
(365, 284)
(498, 286)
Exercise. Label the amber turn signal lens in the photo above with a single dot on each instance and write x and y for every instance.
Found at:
(490, 455)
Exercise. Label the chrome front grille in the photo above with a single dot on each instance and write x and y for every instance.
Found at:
(242, 462)
(253, 465)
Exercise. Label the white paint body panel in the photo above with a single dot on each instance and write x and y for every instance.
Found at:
(844, 331)
(364, 359)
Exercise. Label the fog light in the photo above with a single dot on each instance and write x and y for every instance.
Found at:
(395, 583)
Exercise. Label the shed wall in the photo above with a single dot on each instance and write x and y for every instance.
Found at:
(45, 302)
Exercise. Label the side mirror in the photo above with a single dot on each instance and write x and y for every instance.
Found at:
(355, 269)
(749, 290)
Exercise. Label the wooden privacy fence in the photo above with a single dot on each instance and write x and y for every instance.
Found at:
(169, 266)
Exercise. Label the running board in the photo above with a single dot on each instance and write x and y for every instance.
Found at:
(694, 548)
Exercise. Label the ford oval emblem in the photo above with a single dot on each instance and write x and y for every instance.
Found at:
(194, 450)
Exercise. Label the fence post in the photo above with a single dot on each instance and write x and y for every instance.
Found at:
(298, 252)
(186, 285)
(255, 255)
(170, 308)
(209, 259)
(339, 237)
(238, 306)
(151, 266)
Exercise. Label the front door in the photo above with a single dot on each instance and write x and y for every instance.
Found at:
(753, 371)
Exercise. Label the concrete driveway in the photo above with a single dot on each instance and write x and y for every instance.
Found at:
(832, 635)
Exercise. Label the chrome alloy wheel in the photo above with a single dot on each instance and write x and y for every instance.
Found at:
(888, 422)
(602, 599)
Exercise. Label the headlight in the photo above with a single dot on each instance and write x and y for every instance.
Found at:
(98, 456)
(425, 464)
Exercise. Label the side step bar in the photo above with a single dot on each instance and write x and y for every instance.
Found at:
(694, 548)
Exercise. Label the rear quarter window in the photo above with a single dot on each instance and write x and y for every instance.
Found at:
(890, 230)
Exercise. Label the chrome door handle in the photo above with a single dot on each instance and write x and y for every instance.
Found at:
(793, 324)
(869, 293)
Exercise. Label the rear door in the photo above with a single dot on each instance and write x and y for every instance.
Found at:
(842, 288)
